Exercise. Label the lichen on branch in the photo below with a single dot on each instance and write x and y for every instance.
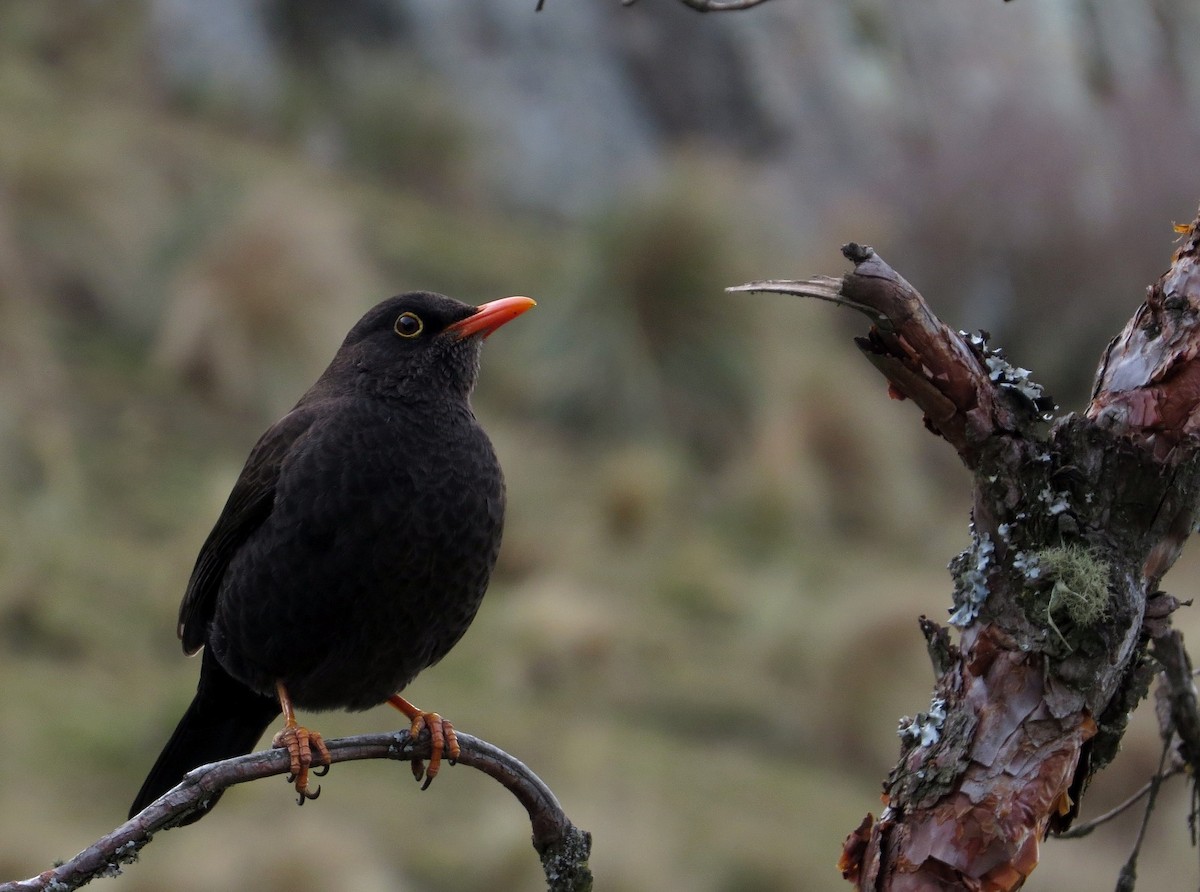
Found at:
(1073, 526)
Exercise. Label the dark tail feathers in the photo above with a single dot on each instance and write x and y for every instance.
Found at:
(226, 719)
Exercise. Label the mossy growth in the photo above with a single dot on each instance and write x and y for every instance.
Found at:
(1080, 582)
(1075, 587)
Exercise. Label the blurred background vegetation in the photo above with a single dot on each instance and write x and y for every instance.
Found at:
(703, 629)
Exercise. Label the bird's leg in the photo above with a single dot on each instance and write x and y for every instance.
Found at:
(300, 743)
(441, 736)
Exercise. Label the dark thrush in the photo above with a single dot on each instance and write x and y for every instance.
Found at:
(354, 549)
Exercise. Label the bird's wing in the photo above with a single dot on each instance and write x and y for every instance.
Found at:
(248, 506)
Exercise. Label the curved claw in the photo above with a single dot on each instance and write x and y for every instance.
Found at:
(443, 741)
(308, 794)
(300, 744)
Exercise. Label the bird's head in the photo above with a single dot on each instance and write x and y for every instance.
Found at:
(420, 342)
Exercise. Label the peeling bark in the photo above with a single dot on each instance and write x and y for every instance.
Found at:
(1074, 522)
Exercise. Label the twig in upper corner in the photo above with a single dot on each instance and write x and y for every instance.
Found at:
(704, 5)
(720, 5)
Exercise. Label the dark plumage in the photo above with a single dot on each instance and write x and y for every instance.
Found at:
(356, 545)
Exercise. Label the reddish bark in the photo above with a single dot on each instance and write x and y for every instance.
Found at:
(1074, 525)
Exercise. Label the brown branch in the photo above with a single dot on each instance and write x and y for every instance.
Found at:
(1128, 874)
(1057, 598)
(712, 5)
(1086, 828)
(562, 847)
(967, 392)
(1148, 383)
(1178, 715)
(1180, 693)
(698, 5)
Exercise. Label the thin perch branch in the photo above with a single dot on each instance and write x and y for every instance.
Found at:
(562, 847)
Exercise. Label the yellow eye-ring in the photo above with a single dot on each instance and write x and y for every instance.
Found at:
(409, 325)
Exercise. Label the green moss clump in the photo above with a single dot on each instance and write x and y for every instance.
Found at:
(1081, 578)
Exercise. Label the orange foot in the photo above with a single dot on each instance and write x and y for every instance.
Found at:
(300, 743)
(441, 736)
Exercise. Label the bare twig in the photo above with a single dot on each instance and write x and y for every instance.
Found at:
(562, 847)
(1085, 828)
(713, 5)
(826, 288)
(698, 5)
(942, 371)
(1181, 694)
(1128, 875)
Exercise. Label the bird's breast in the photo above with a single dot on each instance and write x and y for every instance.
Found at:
(372, 563)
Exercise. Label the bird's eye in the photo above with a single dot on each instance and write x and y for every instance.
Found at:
(409, 325)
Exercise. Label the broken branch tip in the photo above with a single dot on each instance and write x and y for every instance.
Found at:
(856, 253)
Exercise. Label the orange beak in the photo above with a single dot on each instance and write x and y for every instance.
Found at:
(490, 316)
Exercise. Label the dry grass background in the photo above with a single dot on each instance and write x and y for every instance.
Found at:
(703, 628)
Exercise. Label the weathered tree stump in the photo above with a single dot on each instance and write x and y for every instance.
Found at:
(1075, 520)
